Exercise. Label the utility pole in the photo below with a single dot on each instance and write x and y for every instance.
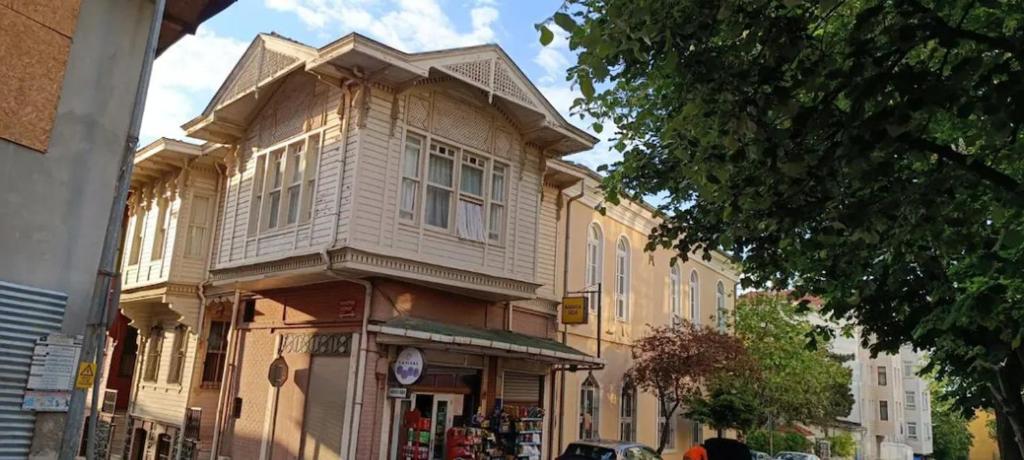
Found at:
(94, 342)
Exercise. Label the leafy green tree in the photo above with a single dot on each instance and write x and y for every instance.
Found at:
(780, 442)
(796, 383)
(867, 152)
(950, 436)
(842, 445)
(726, 406)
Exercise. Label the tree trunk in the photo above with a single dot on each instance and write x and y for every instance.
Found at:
(1007, 395)
(1004, 437)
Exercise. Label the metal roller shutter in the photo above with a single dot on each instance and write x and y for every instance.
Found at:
(523, 388)
(28, 313)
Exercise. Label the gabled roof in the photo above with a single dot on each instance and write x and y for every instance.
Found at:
(263, 65)
(486, 67)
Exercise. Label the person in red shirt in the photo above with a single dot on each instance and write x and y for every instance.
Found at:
(696, 452)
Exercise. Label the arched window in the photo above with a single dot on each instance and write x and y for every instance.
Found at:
(154, 349)
(627, 412)
(720, 305)
(590, 408)
(622, 280)
(694, 298)
(594, 257)
(675, 295)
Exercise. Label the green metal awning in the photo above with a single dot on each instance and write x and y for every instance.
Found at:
(405, 330)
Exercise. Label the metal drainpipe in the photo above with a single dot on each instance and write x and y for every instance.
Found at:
(226, 377)
(95, 331)
(565, 289)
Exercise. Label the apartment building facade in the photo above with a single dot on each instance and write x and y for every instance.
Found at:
(892, 403)
(638, 289)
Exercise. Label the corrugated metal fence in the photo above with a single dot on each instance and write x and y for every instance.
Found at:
(26, 314)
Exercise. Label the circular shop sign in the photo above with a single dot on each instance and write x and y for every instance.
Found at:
(409, 366)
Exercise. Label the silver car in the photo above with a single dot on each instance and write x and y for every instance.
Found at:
(601, 449)
(795, 456)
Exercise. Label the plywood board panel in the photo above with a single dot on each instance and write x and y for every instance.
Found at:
(34, 58)
(59, 15)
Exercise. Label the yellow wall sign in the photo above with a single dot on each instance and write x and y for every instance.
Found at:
(574, 310)
(86, 376)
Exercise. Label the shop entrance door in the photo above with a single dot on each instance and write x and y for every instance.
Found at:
(440, 414)
(435, 407)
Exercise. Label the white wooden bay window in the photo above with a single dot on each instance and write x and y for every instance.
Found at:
(464, 193)
(283, 184)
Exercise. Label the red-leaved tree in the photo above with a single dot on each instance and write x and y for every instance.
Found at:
(675, 363)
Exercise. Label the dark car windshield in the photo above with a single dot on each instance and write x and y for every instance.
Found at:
(587, 452)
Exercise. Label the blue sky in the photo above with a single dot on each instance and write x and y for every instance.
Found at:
(187, 74)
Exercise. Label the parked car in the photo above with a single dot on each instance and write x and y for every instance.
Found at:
(601, 449)
(795, 456)
(758, 455)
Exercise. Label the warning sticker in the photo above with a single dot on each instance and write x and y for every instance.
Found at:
(86, 376)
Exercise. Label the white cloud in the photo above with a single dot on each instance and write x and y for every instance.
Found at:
(409, 25)
(183, 80)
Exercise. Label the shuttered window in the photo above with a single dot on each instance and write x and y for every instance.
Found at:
(523, 389)
(325, 401)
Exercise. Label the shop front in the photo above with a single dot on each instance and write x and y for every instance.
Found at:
(458, 392)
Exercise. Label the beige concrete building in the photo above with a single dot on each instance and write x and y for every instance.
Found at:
(892, 404)
(639, 289)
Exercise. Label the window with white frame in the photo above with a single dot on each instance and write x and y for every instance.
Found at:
(496, 221)
(178, 354)
(665, 417)
(154, 348)
(283, 183)
(470, 213)
(675, 296)
(137, 233)
(627, 412)
(882, 380)
(411, 155)
(694, 298)
(463, 192)
(440, 185)
(590, 406)
(908, 369)
(198, 226)
(912, 430)
(594, 258)
(883, 410)
(163, 219)
(697, 433)
(911, 400)
(720, 305)
(622, 279)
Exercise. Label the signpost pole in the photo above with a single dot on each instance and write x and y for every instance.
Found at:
(599, 315)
